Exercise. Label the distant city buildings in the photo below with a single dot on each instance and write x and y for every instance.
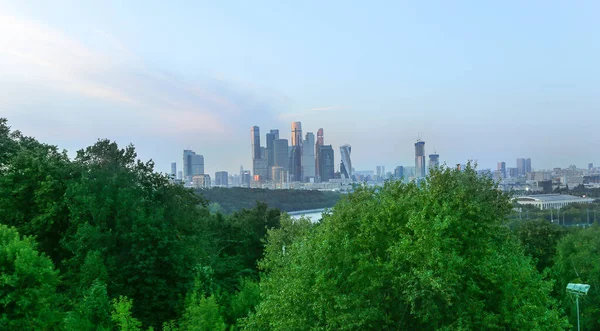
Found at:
(193, 165)
(295, 167)
(320, 142)
(308, 158)
(399, 172)
(420, 159)
(434, 161)
(173, 170)
(326, 163)
(502, 169)
(222, 179)
(346, 163)
(201, 181)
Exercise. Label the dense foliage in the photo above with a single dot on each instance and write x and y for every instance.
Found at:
(129, 245)
(103, 242)
(233, 199)
(411, 257)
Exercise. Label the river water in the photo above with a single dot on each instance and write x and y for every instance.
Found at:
(314, 214)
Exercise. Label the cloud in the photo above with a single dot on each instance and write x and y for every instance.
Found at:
(308, 112)
(34, 54)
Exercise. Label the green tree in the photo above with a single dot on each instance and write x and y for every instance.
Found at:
(540, 238)
(577, 262)
(28, 281)
(122, 317)
(408, 256)
(201, 313)
(148, 234)
(33, 181)
(92, 311)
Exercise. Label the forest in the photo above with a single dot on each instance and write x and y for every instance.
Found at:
(103, 242)
(228, 200)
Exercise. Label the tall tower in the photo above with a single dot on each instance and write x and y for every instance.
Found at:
(520, 166)
(308, 157)
(296, 153)
(296, 133)
(271, 137)
(320, 142)
(346, 164)
(326, 162)
(173, 170)
(255, 138)
(420, 159)
(434, 161)
(193, 165)
(528, 165)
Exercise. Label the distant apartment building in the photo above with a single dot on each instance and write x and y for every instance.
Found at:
(201, 181)
(502, 170)
(222, 179)
(399, 172)
(246, 178)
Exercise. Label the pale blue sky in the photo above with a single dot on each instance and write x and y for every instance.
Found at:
(478, 80)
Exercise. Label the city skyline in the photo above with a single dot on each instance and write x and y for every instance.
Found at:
(172, 76)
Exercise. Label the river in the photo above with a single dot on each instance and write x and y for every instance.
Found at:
(314, 214)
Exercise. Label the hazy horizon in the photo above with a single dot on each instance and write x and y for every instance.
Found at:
(476, 81)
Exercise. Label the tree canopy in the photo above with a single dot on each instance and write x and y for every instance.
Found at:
(408, 256)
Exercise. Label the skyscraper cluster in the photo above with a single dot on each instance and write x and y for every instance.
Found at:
(307, 159)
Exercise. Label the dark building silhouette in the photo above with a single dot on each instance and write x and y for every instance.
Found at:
(271, 137)
(320, 142)
(281, 154)
(326, 162)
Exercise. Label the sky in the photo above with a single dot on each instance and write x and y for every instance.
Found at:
(476, 80)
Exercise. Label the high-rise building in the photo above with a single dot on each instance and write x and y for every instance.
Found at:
(193, 165)
(279, 174)
(296, 133)
(255, 138)
(521, 166)
(271, 137)
(326, 162)
(261, 169)
(320, 142)
(173, 170)
(434, 161)
(180, 174)
(246, 178)
(295, 166)
(222, 179)
(528, 169)
(590, 166)
(281, 153)
(308, 157)
(320, 138)
(346, 163)
(502, 169)
(399, 172)
(420, 159)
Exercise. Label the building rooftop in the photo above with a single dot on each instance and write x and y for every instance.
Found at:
(552, 198)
